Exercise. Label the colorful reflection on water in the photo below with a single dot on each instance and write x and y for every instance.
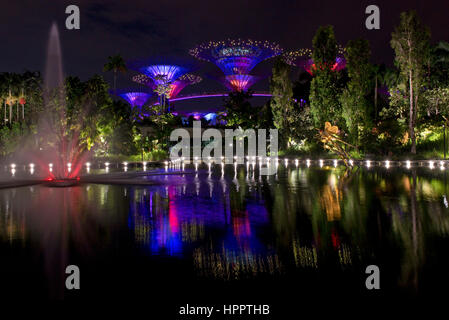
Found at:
(229, 224)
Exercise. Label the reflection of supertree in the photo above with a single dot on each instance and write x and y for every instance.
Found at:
(240, 82)
(175, 87)
(303, 58)
(236, 56)
(134, 98)
(156, 226)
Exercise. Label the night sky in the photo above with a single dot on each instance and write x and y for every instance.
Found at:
(143, 29)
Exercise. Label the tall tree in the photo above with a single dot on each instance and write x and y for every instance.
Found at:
(354, 99)
(324, 89)
(115, 64)
(163, 90)
(379, 73)
(411, 44)
(439, 66)
(282, 104)
(239, 112)
(437, 96)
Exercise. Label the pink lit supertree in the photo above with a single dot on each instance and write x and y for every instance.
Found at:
(239, 82)
(236, 56)
(133, 97)
(236, 59)
(303, 58)
(175, 87)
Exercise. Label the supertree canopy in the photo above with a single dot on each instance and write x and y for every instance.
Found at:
(236, 56)
(303, 58)
(296, 58)
(134, 98)
(159, 72)
(240, 82)
(175, 87)
(145, 80)
(183, 81)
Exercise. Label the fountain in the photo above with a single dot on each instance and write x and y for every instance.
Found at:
(56, 125)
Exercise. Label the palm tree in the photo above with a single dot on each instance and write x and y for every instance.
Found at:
(115, 64)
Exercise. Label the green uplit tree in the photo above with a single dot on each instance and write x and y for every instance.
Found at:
(239, 112)
(354, 99)
(163, 90)
(285, 115)
(410, 42)
(324, 89)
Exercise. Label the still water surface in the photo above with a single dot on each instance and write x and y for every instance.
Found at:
(311, 229)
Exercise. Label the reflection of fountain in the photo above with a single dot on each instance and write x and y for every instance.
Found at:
(58, 128)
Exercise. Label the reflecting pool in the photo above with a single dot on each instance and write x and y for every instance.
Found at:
(205, 234)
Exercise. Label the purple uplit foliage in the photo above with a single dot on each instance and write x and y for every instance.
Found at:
(301, 102)
(135, 98)
(383, 90)
(236, 56)
(210, 117)
(240, 82)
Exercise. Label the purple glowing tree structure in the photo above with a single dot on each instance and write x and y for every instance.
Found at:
(303, 58)
(236, 56)
(175, 86)
(163, 75)
(145, 81)
(159, 72)
(134, 98)
(239, 82)
(182, 82)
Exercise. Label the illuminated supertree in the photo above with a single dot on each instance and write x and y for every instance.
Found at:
(175, 87)
(163, 74)
(133, 97)
(240, 82)
(159, 72)
(145, 80)
(236, 56)
(303, 58)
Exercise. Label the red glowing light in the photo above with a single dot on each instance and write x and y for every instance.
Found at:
(173, 213)
(335, 239)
